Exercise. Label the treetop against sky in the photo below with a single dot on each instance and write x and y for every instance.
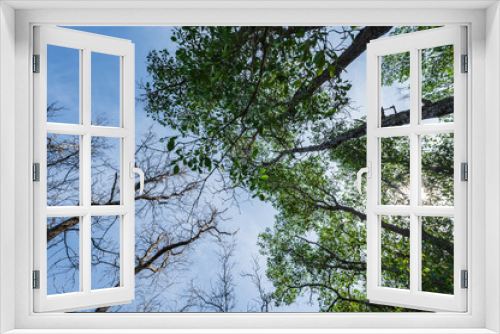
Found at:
(275, 115)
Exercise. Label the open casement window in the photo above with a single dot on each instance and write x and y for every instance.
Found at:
(416, 147)
(68, 212)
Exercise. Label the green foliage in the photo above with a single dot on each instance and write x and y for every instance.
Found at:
(437, 169)
(437, 262)
(437, 68)
(230, 87)
(243, 101)
(395, 253)
(395, 170)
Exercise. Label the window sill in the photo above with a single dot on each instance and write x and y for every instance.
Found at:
(251, 331)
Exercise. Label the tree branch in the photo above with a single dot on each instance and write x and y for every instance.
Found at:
(357, 47)
(436, 109)
(147, 261)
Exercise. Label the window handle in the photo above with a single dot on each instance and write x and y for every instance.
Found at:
(133, 171)
(368, 171)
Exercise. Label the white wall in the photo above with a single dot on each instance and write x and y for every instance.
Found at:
(7, 155)
(492, 164)
(7, 159)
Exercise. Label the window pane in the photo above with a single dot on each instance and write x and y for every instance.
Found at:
(105, 89)
(437, 169)
(63, 255)
(63, 85)
(395, 89)
(437, 254)
(105, 171)
(395, 251)
(395, 171)
(105, 252)
(437, 84)
(63, 170)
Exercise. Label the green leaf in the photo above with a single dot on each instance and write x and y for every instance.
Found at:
(208, 162)
(262, 171)
(171, 144)
(177, 169)
(264, 177)
(331, 68)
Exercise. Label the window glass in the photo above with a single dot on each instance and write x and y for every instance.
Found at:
(437, 254)
(395, 251)
(63, 85)
(105, 89)
(395, 89)
(63, 255)
(63, 170)
(105, 251)
(437, 84)
(438, 169)
(106, 171)
(395, 175)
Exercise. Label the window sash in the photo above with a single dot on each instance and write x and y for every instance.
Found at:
(86, 43)
(414, 298)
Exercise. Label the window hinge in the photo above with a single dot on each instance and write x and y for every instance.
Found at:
(36, 63)
(465, 64)
(36, 279)
(36, 172)
(465, 279)
(464, 171)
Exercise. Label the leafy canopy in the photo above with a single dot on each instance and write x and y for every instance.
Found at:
(269, 107)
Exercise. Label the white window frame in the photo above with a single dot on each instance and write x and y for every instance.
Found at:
(86, 44)
(483, 20)
(413, 43)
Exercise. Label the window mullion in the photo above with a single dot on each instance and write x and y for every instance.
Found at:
(86, 147)
(373, 183)
(85, 255)
(86, 138)
(415, 248)
(82, 271)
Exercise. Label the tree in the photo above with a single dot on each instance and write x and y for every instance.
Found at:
(169, 219)
(268, 108)
(221, 295)
(264, 299)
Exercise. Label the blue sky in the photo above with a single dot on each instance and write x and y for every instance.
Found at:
(63, 85)
(251, 218)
